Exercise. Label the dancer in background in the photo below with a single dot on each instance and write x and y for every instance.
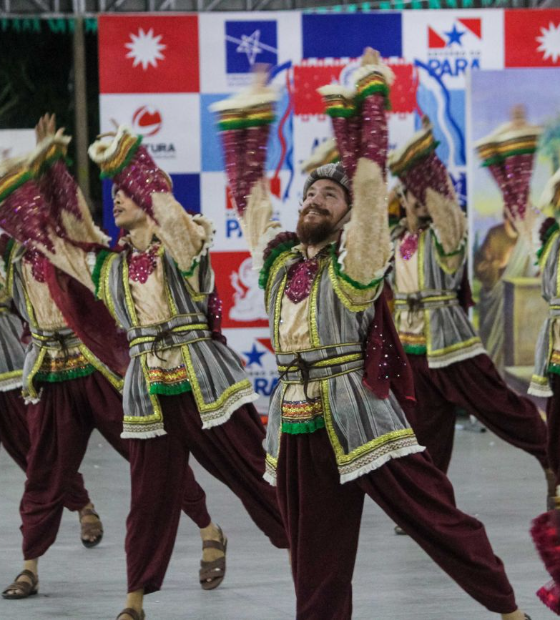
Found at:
(449, 364)
(336, 430)
(545, 383)
(14, 434)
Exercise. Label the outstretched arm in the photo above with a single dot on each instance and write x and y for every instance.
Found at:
(127, 163)
(32, 219)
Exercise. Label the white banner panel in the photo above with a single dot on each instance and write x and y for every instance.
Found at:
(14, 142)
(450, 43)
(232, 43)
(168, 123)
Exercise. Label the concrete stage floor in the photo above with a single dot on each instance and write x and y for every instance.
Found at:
(394, 579)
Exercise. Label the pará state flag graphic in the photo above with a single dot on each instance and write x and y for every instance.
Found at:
(345, 36)
(533, 38)
(148, 54)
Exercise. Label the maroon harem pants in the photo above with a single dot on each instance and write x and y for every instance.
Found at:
(232, 452)
(60, 425)
(322, 519)
(14, 436)
(553, 419)
(475, 385)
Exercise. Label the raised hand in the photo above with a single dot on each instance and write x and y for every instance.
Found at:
(45, 127)
(370, 57)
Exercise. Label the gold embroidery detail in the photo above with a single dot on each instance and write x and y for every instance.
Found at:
(341, 457)
(278, 311)
(224, 397)
(29, 387)
(342, 288)
(128, 294)
(278, 264)
(115, 380)
(302, 410)
(157, 415)
(13, 374)
(455, 347)
(104, 288)
(313, 328)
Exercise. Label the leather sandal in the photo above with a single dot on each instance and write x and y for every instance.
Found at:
(22, 589)
(90, 529)
(212, 574)
(133, 614)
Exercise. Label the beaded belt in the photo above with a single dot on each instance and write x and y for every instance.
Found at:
(179, 330)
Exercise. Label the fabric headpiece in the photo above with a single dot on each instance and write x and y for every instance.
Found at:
(334, 172)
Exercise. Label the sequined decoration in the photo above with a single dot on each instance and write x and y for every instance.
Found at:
(428, 172)
(409, 245)
(24, 215)
(142, 264)
(255, 143)
(518, 170)
(375, 138)
(61, 191)
(38, 263)
(231, 147)
(142, 178)
(300, 279)
(347, 135)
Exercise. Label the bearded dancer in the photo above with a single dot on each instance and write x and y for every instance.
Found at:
(336, 430)
(447, 359)
(14, 435)
(184, 391)
(545, 383)
(68, 386)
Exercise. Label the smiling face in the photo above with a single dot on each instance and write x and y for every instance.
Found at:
(127, 213)
(322, 210)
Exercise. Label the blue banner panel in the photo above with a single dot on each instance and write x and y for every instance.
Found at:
(340, 36)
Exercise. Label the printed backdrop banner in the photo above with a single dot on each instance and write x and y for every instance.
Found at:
(159, 73)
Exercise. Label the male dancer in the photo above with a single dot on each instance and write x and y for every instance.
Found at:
(14, 435)
(546, 384)
(336, 430)
(184, 390)
(69, 389)
(447, 359)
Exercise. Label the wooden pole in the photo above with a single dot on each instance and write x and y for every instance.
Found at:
(80, 108)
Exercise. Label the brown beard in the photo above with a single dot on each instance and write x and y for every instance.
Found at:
(314, 233)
